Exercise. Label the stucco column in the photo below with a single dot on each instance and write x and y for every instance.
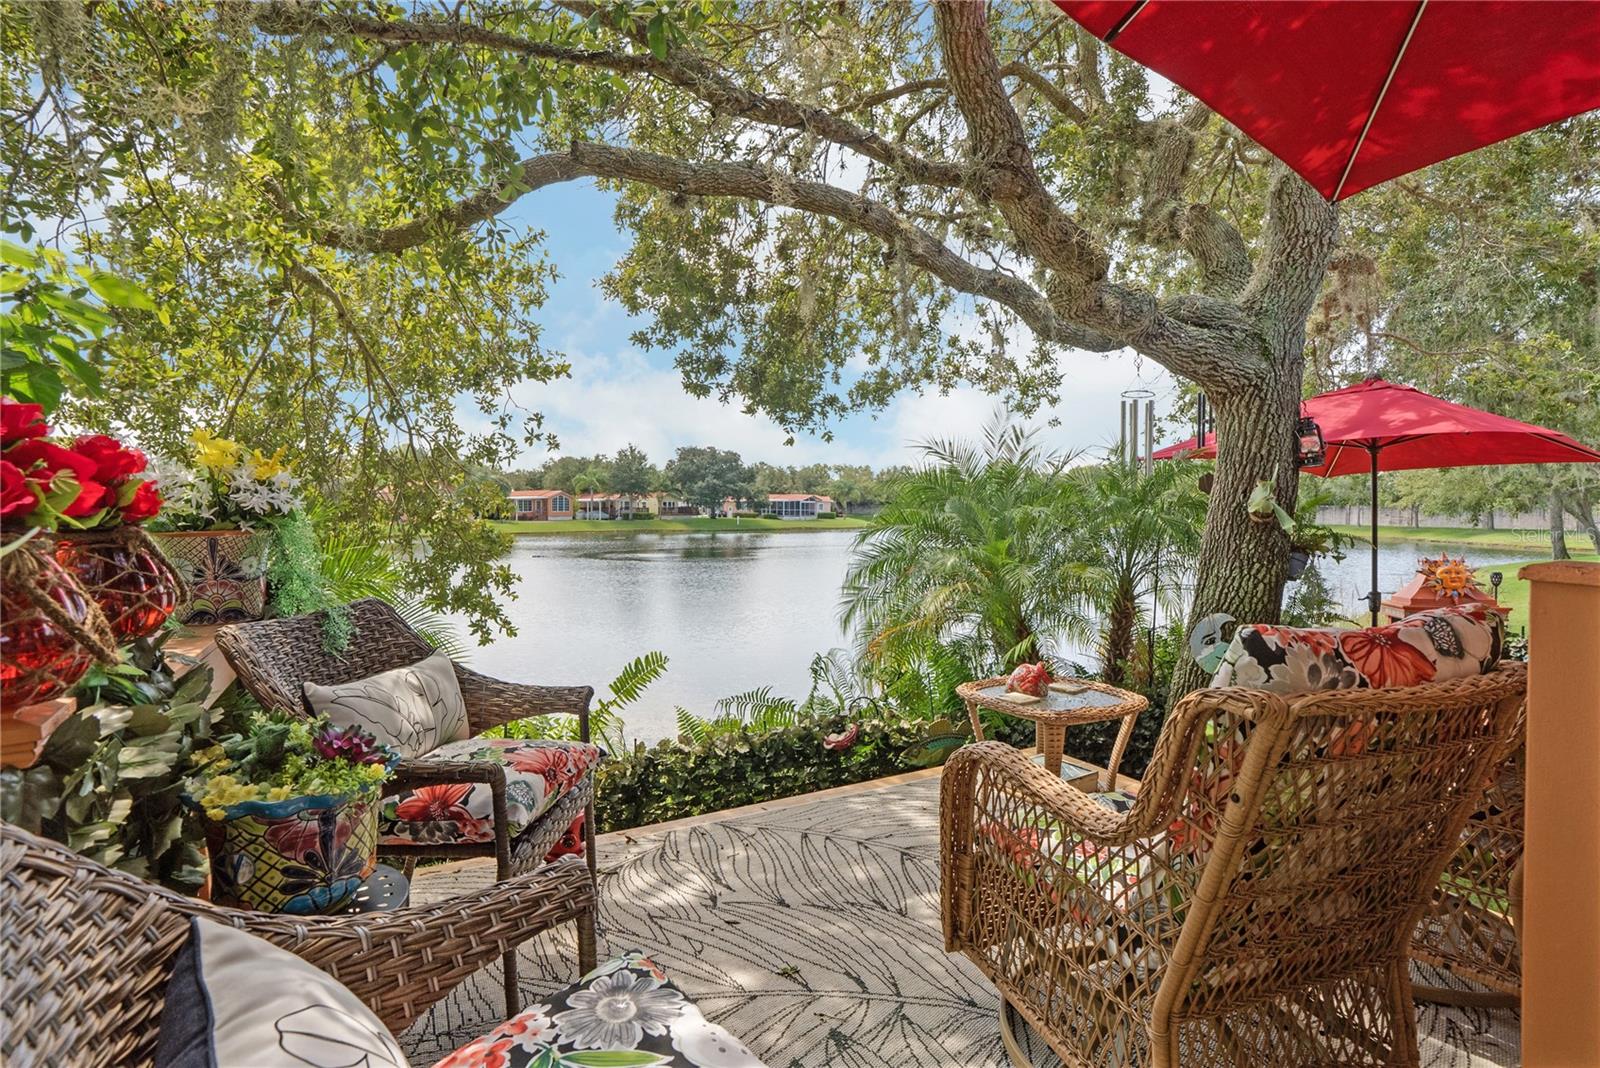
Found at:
(1561, 889)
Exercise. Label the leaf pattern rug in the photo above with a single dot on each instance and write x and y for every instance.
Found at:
(812, 932)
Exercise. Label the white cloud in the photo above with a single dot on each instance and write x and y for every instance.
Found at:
(618, 395)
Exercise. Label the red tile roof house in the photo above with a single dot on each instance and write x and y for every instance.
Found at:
(540, 504)
(606, 506)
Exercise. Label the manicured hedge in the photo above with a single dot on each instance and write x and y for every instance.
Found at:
(672, 780)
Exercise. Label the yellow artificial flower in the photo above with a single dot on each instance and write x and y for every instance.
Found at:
(216, 814)
(214, 453)
(264, 467)
(279, 793)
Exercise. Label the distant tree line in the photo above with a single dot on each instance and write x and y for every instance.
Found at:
(705, 476)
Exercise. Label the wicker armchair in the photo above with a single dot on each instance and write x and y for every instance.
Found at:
(1470, 927)
(87, 950)
(1256, 903)
(274, 658)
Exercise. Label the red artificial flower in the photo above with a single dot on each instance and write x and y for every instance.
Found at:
(145, 504)
(19, 422)
(112, 459)
(1386, 659)
(37, 456)
(17, 495)
(436, 804)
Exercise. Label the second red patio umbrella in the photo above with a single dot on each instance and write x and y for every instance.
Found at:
(1377, 426)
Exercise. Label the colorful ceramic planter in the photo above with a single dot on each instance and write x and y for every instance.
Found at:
(225, 570)
(304, 855)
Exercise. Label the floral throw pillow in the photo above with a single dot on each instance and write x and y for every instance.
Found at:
(412, 709)
(624, 1014)
(1445, 643)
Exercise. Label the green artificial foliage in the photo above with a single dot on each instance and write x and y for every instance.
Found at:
(109, 782)
(298, 579)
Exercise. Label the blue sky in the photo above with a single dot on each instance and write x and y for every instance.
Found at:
(618, 393)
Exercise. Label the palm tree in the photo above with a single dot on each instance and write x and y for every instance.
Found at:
(591, 480)
(1129, 534)
(963, 553)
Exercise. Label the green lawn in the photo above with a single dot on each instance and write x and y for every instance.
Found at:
(1530, 542)
(684, 525)
(1513, 591)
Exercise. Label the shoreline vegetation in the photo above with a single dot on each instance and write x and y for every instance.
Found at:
(1530, 543)
(680, 525)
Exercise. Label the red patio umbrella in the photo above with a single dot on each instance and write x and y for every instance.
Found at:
(1377, 426)
(1351, 94)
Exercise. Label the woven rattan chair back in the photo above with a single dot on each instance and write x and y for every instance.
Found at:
(1256, 904)
(274, 658)
(86, 952)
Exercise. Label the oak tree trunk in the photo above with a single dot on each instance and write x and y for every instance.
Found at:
(1558, 527)
(1582, 509)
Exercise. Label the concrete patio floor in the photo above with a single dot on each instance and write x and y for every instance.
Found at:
(810, 927)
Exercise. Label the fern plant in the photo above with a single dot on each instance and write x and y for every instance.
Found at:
(754, 711)
(605, 717)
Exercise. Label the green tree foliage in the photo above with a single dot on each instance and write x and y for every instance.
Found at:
(58, 323)
(1477, 280)
(706, 476)
(631, 474)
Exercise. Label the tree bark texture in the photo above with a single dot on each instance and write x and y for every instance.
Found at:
(1558, 527)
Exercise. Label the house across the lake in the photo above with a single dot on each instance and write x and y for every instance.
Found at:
(784, 506)
(664, 503)
(540, 504)
(608, 505)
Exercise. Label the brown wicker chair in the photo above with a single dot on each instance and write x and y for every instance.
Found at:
(1470, 927)
(87, 951)
(1256, 904)
(274, 658)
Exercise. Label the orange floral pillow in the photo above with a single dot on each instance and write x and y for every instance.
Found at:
(1445, 643)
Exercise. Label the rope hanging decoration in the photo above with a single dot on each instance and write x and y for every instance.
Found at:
(25, 571)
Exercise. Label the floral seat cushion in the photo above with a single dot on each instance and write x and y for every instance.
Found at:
(538, 773)
(625, 1013)
(1445, 643)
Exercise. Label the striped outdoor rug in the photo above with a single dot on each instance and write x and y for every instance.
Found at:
(812, 931)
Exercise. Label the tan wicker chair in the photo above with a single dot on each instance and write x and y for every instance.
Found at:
(1470, 927)
(1256, 904)
(87, 951)
(274, 658)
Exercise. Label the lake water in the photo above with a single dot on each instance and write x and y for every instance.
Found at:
(732, 611)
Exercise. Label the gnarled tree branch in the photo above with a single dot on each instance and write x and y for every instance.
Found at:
(682, 68)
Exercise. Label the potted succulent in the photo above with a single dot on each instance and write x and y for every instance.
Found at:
(290, 809)
(218, 524)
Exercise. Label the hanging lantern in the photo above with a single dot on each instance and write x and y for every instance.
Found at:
(1310, 451)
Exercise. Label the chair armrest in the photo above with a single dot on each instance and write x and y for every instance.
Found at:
(491, 702)
(409, 774)
(1006, 770)
(399, 963)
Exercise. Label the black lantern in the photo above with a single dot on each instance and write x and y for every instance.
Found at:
(1495, 578)
(1309, 438)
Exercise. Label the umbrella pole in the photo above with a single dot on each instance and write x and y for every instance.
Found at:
(1374, 598)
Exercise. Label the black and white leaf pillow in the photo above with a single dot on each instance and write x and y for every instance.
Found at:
(415, 709)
